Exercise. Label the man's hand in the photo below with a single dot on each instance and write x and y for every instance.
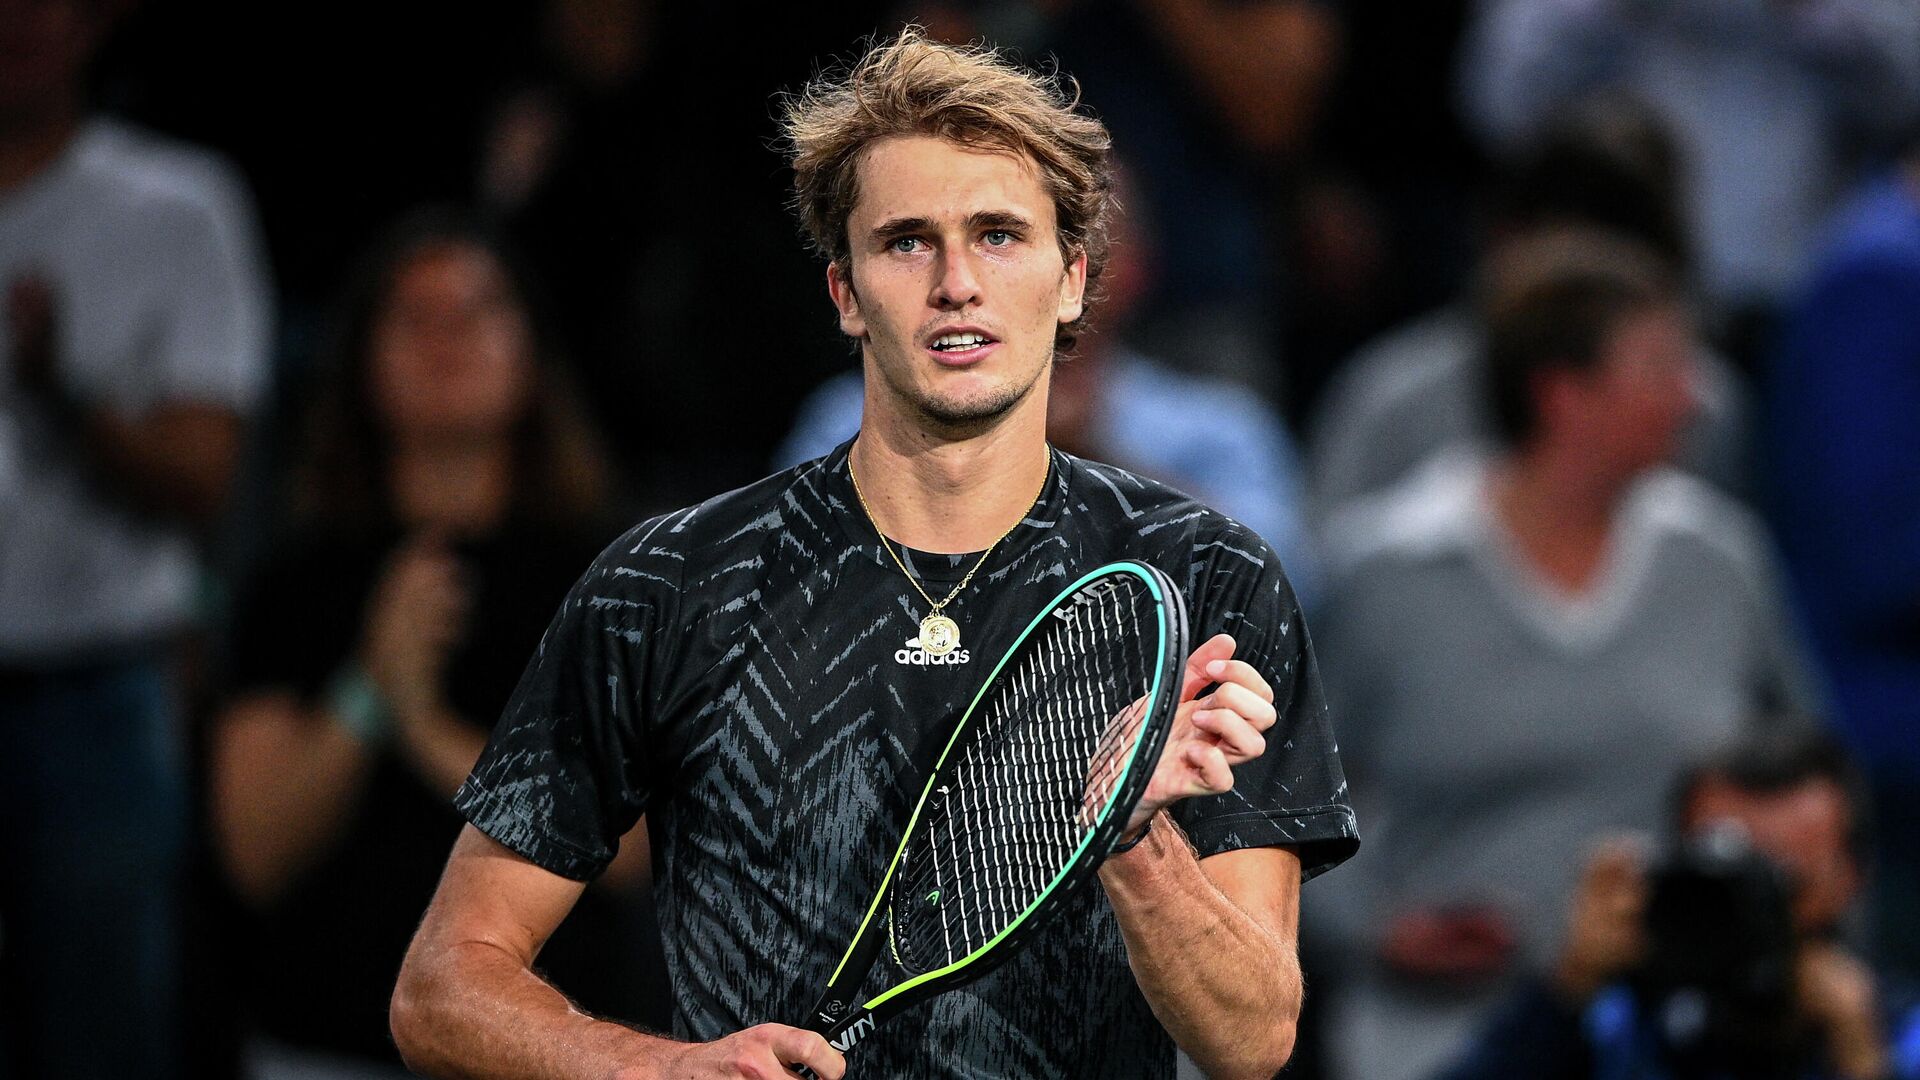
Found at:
(1459, 943)
(1606, 933)
(416, 616)
(766, 1052)
(174, 460)
(1210, 734)
(1837, 992)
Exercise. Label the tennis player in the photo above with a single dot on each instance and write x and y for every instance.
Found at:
(768, 675)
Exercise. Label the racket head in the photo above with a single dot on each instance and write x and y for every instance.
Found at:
(1031, 792)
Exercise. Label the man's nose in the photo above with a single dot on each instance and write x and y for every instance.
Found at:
(957, 285)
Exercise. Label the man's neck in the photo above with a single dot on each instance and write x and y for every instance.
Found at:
(31, 141)
(1560, 511)
(951, 495)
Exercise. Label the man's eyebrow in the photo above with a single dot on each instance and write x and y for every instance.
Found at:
(976, 221)
(997, 219)
(901, 226)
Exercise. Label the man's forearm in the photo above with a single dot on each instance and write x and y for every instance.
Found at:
(474, 1012)
(1225, 987)
(177, 461)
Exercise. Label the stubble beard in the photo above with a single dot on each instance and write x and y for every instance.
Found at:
(966, 417)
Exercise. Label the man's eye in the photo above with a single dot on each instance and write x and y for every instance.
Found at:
(999, 237)
(904, 244)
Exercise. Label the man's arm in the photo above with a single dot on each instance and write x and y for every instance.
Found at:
(178, 460)
(1213, 944)
(174, 460)
(469, 1005)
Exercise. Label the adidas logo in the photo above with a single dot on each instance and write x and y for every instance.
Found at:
(916, 656)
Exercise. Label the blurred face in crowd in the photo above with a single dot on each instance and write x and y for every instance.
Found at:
(1631, 407)
(452, 349)
(44, 49)
(957, 281)
(1802, 829)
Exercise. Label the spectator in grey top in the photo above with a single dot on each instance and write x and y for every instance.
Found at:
(1421, 388)
(131, 346)
(1525, 647)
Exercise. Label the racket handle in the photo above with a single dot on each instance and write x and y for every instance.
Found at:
(842, 1034)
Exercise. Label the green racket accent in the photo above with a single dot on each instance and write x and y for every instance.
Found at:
(1147, 727)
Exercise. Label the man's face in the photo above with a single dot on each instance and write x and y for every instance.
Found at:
(1633, 405)
(955, 282)
(1803, 830)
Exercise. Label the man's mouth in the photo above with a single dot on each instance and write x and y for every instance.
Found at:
(960, 342)
(961, 346)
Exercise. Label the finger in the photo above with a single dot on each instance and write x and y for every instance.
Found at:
(1240, 673)
(1257, 710)
(431, 587)
(1235, 734)
(424, 569)
(1212, 775)
(1217, 647)
(445, 593)
(1617, 866)
(794, 1046)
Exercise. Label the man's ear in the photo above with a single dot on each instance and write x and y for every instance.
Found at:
(846, 301)
(1073, 291)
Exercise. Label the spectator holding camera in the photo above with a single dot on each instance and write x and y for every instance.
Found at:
(1516, 642)
(1725, 959)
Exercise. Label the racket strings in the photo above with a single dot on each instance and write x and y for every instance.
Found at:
(1050, 745)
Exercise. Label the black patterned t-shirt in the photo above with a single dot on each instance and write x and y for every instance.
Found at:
(744, 672)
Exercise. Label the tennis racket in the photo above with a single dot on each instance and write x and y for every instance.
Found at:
(1031, 792)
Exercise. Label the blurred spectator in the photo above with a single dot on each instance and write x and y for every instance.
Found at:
(1422, 388)
(662, 233)
(342, 115)
(1110, 402)
(1216, 102)
(132, 348)
(1769, 99)
(446, 500)
(1846, 468)
(1725, 959)
(1382, 232)
(1515, 645)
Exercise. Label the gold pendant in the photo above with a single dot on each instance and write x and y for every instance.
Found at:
(939, 635)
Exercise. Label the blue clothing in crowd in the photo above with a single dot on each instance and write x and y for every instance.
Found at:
(1539, 1036)
(1847, 465)
(1846, 471)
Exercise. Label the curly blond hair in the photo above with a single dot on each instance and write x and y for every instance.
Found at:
(911, 85)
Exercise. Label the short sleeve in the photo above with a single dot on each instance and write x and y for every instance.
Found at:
(212, 337)
(563, 775)
(1294, 794)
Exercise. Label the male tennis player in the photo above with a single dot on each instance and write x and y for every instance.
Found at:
(768, 682)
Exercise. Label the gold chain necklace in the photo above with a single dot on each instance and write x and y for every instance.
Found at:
(939, 635)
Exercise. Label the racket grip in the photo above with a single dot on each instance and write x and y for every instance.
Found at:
(841, 1034)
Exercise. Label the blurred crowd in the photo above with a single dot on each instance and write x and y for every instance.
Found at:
(1568, 351)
